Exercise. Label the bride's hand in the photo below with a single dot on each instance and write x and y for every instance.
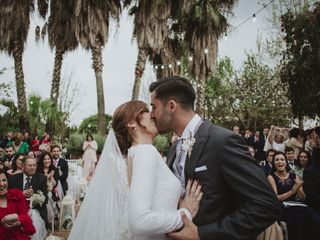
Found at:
(191, 201)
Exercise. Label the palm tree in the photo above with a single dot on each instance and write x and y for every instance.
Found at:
(92, 31)
(14, 26)
(150, 30)
(205, 23)
(61, 33)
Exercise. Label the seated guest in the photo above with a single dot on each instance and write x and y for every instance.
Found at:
(295, 141)
(18, 144)
(6, 140)
(8, 157)
(46, 167)
(311, 175)
(1, 152)
(304, 161)
(290, 157)
(30, 182)
(17, 165)
(62, 165)
(285, 184)
(15, 221)
(302, 222)
(35, 143)
(267, 166)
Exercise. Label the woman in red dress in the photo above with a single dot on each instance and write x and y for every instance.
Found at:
(15, 222)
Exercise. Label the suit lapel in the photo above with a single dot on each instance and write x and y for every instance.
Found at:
(20, 182)
(201, 137)
(172, 155)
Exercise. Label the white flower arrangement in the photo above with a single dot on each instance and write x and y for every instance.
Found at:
(187, 144)
(38, 199)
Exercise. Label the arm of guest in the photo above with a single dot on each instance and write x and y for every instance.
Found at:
(260, 207)
(143, 219)
(23, 216)
(65, 170)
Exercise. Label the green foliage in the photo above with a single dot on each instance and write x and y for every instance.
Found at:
(161, 142)
(44, 114)
(5, 88)
(9, 120)
(90, 124)
(301, 61)
(76, 141)
(253, 98)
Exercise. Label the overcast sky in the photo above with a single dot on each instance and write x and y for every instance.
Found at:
(119, 56)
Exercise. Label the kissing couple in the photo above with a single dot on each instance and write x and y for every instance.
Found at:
(209, 188)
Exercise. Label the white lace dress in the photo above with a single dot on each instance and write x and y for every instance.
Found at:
(154, 195)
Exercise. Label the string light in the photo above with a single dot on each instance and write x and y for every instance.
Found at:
(206, 51)
(254, 19)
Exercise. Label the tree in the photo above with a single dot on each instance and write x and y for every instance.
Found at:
(205, 23)
(92, 31)
(14, 27)
(150, 31)
(301, 61)
(5, 88)
(90, 124)
(62, 37)
(253, 98)
(44, 114)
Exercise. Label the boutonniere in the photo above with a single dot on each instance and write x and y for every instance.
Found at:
(187, 144)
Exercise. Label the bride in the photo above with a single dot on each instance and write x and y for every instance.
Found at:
(133, 194)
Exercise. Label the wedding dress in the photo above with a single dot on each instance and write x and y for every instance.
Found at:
(145, 211)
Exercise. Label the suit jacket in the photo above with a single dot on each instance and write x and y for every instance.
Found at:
(63, 164)
(238, 201)
(38, 182)
(311, 181)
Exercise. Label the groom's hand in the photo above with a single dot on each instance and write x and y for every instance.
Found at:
(188, 232)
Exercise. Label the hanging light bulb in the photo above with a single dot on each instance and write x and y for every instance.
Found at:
(170, 65)
(162, 67)
(178, 63)
(254, 19)
(206, 51)
(156, 66)
(190, 58)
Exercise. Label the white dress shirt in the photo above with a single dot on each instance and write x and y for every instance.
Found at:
(187, 133)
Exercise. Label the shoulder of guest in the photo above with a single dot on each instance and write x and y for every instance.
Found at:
(15, 194)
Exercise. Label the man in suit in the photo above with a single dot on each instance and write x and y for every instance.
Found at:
(238, 201)
(30, 182)
(62, 165)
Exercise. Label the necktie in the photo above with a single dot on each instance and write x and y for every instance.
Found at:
(27, 184)
(179, 158)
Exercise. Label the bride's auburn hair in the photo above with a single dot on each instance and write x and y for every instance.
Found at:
(124, 114)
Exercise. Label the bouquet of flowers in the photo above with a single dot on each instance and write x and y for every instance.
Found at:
(37, 199)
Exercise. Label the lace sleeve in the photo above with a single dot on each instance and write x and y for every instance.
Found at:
(143, 220)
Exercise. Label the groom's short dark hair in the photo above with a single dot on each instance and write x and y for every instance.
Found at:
(174, 87)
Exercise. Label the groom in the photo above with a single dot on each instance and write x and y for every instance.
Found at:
(238, 202)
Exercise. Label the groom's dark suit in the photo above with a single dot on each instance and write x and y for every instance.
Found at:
(238, 201)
